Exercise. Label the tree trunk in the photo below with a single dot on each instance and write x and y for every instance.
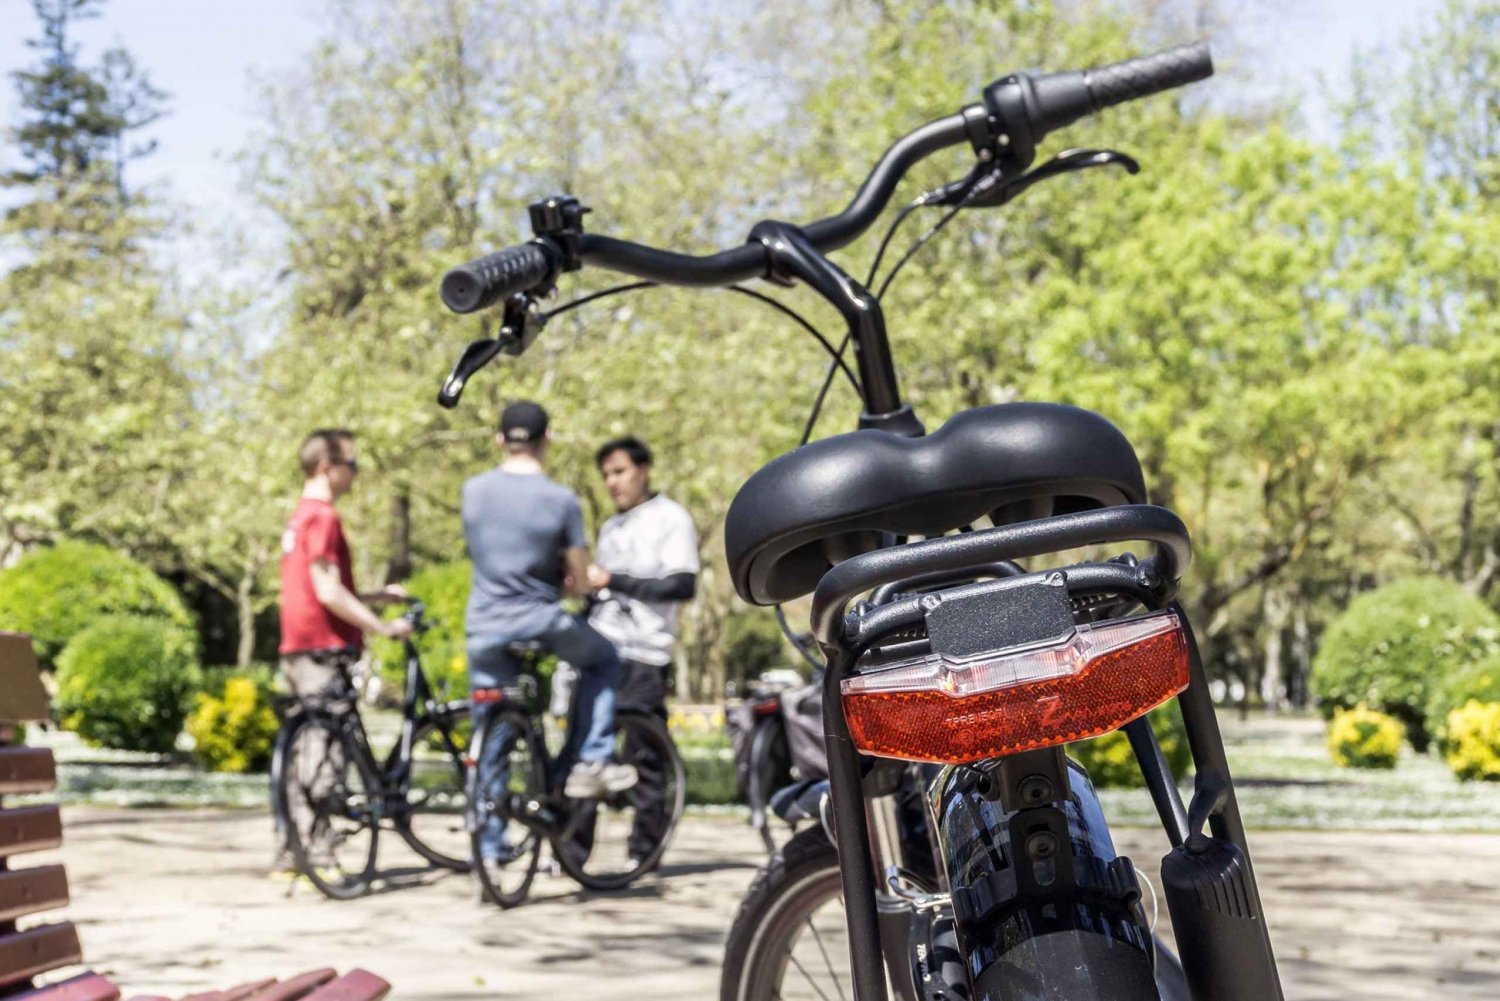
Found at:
(1301, 655)
(398, 568)
(1273, 615)
(245, 607)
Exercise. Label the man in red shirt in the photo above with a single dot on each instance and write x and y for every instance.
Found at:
(323, 618)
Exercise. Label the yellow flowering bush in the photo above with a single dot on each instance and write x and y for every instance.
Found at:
(1363, 738)
(234, 731)
(1472, 748)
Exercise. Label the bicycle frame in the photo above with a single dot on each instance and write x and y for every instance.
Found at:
(419, 706)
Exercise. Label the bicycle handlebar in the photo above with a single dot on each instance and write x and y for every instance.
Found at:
(1060, 99)
(1018, 111)
(473, 286)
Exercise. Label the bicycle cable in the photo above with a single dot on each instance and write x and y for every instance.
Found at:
(802, 321)
(838, 359)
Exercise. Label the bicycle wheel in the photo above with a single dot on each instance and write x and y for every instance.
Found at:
(789, 939)
(330, 804)
(508, 808)
(610, 842)
(434, 818)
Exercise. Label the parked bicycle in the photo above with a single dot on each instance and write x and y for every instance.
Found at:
(603, 844)
(972, 857)
(334, 795)
(776, 734)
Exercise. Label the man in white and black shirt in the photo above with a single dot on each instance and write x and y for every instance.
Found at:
(647, 567)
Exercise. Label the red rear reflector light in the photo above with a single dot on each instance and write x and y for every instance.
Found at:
(1092, 681)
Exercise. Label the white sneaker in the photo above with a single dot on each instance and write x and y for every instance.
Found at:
(593, 779)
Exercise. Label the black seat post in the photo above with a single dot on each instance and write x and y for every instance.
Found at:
(791, 255)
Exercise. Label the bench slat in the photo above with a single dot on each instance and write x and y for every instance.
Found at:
(29, 829)
(27, 769)
(356, 985)
(297, 987)
(238, 993)
(84, 987)
(36, 950)
(27, 891)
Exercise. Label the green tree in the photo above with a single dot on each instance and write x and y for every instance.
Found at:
(79, 119)
(91, 390)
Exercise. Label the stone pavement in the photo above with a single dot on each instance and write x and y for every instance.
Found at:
(176, 901)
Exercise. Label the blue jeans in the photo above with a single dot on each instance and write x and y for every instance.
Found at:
(591, 721)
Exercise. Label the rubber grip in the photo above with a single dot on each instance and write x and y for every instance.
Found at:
(1133, 78)
(497, 276)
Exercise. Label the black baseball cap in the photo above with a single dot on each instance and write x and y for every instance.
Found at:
(523, 422)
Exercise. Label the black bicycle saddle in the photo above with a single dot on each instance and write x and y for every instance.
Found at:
(841, 496)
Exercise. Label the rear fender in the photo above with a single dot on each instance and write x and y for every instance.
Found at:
(1045, 908)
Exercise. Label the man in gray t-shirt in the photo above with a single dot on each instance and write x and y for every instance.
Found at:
(525, 537)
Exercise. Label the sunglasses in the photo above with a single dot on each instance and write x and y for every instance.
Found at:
(353, 464)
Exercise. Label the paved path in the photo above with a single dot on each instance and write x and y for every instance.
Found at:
(175, 901)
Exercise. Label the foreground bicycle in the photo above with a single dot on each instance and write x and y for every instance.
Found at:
(334, 796)
(985, 869)
(604, 844)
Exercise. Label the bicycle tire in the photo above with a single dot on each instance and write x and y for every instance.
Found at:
(357, 806)
(532, 790)
(787, 892)
(650, 734)
(424, 837)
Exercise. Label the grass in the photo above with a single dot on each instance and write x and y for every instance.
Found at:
(1285, 779)
(1284, 776)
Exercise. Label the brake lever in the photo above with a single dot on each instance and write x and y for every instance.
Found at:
(989, 186)
(518, 329)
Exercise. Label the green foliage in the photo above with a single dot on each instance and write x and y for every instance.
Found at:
(444, 589)
(1111, 763)
(1473, 746)
(128, 682)
(753, 644)
(233, 725)
(1364, 738)
(56, 592)
(1394, 647)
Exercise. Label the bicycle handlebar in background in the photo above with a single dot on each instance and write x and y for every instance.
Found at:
(1020, 110)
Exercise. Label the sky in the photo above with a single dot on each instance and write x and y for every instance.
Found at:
(206, 54)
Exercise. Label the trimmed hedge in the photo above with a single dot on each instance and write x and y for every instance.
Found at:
(128, 682)
(56, 593)
(1111, 763)
(234, 725)
(1364, 738)
(1395, 647)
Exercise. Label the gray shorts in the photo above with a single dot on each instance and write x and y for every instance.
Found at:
(318, 677)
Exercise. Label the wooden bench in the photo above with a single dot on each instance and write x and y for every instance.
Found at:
(47, 946)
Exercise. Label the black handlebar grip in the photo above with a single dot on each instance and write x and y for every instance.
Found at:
(1061, 98)
(497, 276)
